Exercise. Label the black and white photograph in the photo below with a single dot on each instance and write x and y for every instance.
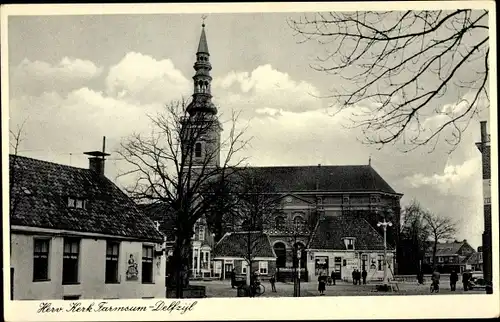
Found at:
(182, 154)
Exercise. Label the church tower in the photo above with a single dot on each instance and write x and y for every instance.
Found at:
(202, 113)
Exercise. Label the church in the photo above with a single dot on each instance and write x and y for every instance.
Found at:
(328, 212)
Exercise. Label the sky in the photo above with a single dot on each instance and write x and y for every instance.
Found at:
(74, 79)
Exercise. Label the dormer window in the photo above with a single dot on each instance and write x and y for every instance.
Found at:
(78, 203)
(349, 243)
(71, 202)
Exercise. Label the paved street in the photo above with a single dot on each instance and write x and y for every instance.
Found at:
(223, 289)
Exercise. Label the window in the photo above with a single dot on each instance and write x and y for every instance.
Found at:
(380, 262)
(244, 266)
(147, 264)
(280, 223)
(202, 232)
(349, 243)
(112, 252)
(77, 203)
(70, 260)
(263, 268)
(71, 202)
(298, 223)
(197, 150)
(41, 260)
(440, 259)
(364, 260)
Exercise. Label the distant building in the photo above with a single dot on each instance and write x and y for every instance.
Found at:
(202, 241)
(344, 243)
(449, 256)
(235, 249)
(76, 235)
(475, 261)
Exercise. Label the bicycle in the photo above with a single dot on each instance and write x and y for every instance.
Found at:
(434, 287)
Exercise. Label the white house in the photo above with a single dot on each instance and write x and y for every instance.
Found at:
(76, 235)
(341, 244)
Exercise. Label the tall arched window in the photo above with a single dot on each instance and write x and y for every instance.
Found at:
(280, 223)
(280, 250)
(298, 223)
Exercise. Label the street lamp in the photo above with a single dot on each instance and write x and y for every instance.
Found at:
(384, 225)
(299, 256)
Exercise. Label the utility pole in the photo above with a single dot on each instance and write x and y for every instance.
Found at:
(384, 225)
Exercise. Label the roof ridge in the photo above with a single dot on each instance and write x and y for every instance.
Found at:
(307, 166)
(49, 162)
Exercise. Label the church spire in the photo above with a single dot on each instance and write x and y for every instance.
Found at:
(202, 81)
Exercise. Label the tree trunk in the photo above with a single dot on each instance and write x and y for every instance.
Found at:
(434, 250)
(181, 256)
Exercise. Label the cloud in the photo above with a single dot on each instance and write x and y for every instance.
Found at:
(141, 78)
(452, 178)
(36, 77)
(265, 89)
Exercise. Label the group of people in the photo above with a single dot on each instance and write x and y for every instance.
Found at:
(466, 279)
(254, 281)
(357, 275)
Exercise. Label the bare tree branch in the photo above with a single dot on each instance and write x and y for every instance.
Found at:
(400, 68)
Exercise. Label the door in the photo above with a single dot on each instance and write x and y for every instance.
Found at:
(228, 268)
(338, 268)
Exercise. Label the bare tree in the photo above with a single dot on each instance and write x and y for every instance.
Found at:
(256, 201)
(15, 139)
(300, 231)
(440, 228)
(398, 65)
(414, 237)
(169, 167)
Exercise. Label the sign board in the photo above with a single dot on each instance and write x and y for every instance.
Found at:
(487, 191)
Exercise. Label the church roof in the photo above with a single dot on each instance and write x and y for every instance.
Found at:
(331, 231)
(203, 45)
(337, 178)
(40, 192)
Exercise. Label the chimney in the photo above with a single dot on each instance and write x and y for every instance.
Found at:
(97, 159)
(484, 132)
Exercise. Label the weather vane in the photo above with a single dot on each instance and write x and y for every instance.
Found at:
(203, 20)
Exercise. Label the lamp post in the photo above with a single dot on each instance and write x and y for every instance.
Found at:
(299, 253)
(384, 225)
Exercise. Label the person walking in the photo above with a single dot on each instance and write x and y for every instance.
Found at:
(321, 284)
(435, 281)
(354, 277)
(272, 280)
(333, 277)
(453, 280)
(363, 275)
(465, 280)
(233, 278)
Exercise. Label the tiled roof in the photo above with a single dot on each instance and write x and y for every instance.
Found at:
(235, 244)
(164, 215)
(475, 258)
(332, 229)
(446, 249)
(40, 194)
(339, 178)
